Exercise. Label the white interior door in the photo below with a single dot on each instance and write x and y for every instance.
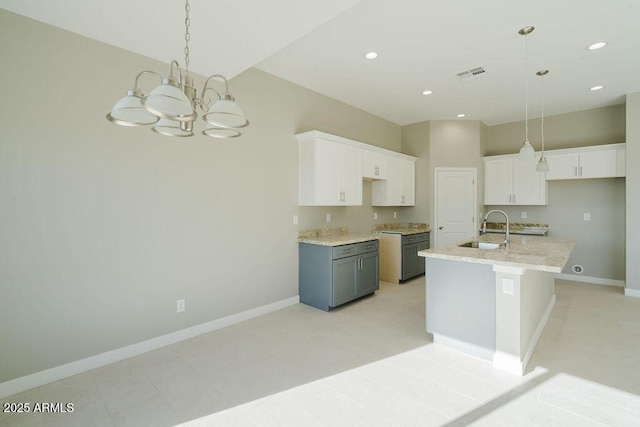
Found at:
(455, 210)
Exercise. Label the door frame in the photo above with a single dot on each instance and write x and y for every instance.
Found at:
(435, 195)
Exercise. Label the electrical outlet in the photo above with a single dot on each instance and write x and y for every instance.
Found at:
(181, 305)
(375, 215)
(507, 286)
(587, 216)
(395, 214)
(328, 217)
(524, 215)
(295, 219)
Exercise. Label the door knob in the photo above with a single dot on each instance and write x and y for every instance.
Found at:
(440, 228)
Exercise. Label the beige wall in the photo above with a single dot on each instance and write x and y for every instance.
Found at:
(103, 228)
(633, 192)
(415, 142)
(598, 126)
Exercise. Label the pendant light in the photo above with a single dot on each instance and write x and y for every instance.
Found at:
(526, 150)
(542, 165)
(171, 108)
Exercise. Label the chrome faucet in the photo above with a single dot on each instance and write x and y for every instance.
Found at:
(484, 226)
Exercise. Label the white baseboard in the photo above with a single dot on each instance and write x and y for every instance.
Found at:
(38, 379)
(587, 279)
(632, 292)
(473, 349)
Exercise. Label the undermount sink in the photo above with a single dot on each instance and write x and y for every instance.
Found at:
(480, 245)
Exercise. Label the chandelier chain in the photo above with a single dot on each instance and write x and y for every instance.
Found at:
(187, 35)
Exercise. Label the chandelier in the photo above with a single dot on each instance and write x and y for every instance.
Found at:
(170, 108)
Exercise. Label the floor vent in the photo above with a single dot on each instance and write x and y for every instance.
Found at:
(471, 74)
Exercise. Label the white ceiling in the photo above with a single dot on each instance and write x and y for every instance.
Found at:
(422, 45)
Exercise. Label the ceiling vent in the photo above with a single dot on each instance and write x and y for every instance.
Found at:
(471, 74)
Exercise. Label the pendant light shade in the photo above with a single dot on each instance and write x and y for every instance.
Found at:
(169, 127)
(543, 165)
(226, 113)
(526, 150)
(128, 111)
(170, 102)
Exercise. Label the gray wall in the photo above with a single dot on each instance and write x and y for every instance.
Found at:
(103, 228)
(601, 241)
(633, 192)
(442, 143)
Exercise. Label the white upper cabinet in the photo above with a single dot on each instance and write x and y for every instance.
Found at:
(331, 170)
(330, 173)
(602, 161)
(508, 180)
(374, 165)
(399, 187)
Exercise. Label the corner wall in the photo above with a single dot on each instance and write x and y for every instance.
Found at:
(633, 194)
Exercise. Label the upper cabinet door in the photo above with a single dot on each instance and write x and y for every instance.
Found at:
(498, 188)
(399, 187)
(529, 185)
(327, 171)
(602, 161)
(350, 175)
(374, 165)
(562, 166)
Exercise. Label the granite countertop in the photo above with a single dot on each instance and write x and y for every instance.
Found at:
(529, 252)
(518, 228)
(334, 237)
(404, 228)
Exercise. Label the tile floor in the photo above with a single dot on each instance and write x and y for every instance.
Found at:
(369, 363)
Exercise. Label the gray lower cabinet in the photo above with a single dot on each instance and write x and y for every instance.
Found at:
(330, 276)
(412, 264)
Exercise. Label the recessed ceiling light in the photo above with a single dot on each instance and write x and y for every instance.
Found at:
(427, 92)
(461, 115)
(593, 89)
(597, 46)
(371, 55)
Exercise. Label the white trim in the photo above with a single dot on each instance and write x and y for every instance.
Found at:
(508, 362)
(629, 292)
(473, 349)
(79, 366)
(538, 332)
(592, 280)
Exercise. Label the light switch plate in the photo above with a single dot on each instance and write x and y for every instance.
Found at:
(524, 215)
(587, 216)
(328, 217)
(295, 219)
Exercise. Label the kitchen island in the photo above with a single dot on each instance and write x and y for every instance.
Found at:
(493, 303)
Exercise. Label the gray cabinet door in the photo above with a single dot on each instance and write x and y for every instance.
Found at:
(421, 261)
(369, 280)
(345, 280)
(409, 261)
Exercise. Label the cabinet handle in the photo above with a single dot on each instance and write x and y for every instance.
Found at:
(514, 198)
(580, 170)
(402, 199)
(575, 171)
(377, 172)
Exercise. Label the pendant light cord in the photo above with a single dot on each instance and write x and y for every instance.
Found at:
(526, 84)
(542, 118)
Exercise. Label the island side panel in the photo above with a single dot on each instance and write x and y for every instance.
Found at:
(461, 304)
(537, 299)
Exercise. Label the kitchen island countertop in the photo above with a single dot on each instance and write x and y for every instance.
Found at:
(548, 254)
